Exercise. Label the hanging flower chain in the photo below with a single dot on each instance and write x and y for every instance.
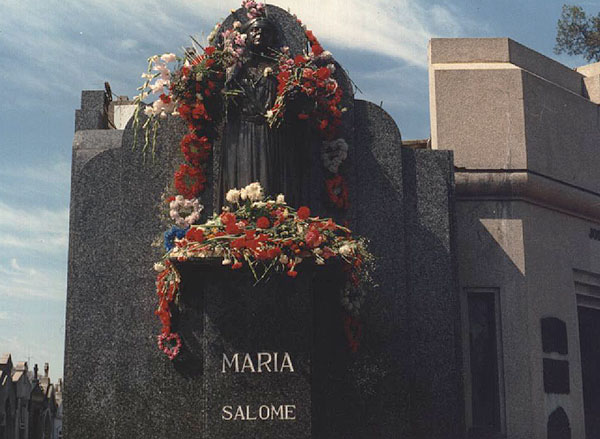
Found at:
(195, 91)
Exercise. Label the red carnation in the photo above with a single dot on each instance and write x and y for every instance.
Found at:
(227, 217)
(323, 73)
(209, 50)
(307, 73)
(263, 222)
(317, 49)
(303, 213)
(232, 229)
(195, 234)
(185, 111)
(274, 252)
(299, 60)
(302, 116)
(189, 181)
(199, 111)
(313, 238)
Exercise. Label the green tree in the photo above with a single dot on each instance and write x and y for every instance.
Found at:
(578, 34)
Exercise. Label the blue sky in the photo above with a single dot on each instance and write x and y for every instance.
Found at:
(52, 50)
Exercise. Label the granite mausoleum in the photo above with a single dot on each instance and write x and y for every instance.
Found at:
(487, 245)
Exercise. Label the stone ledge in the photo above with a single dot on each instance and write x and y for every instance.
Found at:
(527, 186)
(503, 50)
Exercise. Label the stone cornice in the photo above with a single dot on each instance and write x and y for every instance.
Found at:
(527, 186)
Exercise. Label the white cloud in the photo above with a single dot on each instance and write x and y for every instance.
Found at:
(43, 231)
(68, 46)
(399, 29)
(56, 174)
(27, 282)
(5, 316)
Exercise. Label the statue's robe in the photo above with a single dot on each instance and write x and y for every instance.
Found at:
(252, 151)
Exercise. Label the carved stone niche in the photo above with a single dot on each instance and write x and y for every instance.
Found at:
(264, 353)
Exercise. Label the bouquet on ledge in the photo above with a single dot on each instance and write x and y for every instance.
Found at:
(266, 236)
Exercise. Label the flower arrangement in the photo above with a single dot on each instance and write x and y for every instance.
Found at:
(263, 235)
(192, 87)
(266, 236)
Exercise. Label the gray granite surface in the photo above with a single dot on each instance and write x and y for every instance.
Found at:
(437, 401)
(92, 114)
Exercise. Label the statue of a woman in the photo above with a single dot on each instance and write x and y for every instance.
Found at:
(250, 149)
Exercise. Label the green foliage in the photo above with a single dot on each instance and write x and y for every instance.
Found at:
(578, 34)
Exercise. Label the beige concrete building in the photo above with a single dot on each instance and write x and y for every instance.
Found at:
(525, 131)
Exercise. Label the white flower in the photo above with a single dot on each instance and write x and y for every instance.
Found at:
(280, 199)
(269, 114)
(233, 196)
(159, 266)
(226, 261)
(284, 259)
(149, 111)
(254, 192)
(345, 250)
(168, 57)
(237, 24)
(267, 71)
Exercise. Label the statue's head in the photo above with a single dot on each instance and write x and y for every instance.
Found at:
(261, 34)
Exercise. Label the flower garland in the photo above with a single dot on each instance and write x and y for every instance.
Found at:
(266, 236)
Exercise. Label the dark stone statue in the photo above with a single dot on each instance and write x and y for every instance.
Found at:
(250, 149)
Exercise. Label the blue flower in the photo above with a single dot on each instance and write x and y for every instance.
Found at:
(171, 234)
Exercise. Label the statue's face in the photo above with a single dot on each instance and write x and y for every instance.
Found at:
(260, 37)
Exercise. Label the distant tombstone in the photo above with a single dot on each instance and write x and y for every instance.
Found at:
(267, 361)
